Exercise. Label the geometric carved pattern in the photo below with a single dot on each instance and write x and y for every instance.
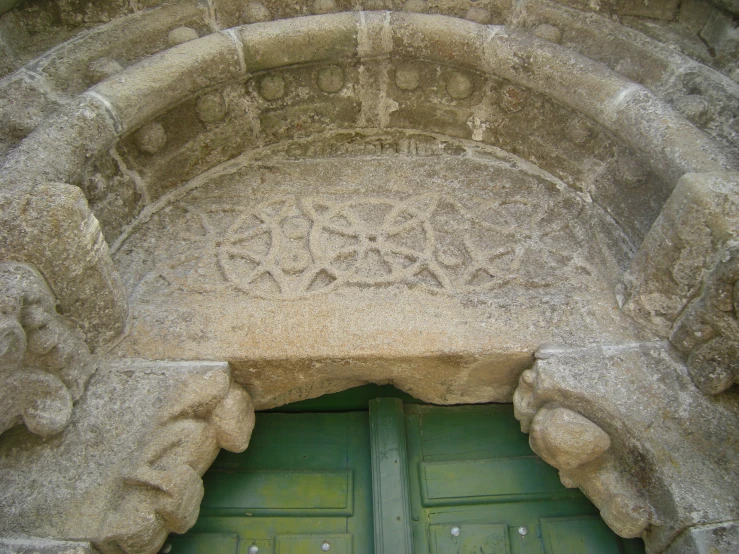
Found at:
(288, 247)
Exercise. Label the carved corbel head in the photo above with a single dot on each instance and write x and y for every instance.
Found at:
(578, 448)
(163, 488)
(581, 451)
(565, 439)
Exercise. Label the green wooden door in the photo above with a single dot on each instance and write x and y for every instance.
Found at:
(477, 488)
(303, 485)
(392, 478)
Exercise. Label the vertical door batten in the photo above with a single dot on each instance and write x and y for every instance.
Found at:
(390, 477)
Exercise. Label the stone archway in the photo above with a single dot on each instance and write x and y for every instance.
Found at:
(458, 186)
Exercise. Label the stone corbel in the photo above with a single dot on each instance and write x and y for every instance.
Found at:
(44, 363)
(581, 451)
(163, 490)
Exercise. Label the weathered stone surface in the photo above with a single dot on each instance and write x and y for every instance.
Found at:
(577, 447)
(415, 241)
(54, 230)
(707, 539)
(660, 468)
(420, 195)
(128, 471)
(682, 248)
(44, 364)
(565, 439)
(44, 546)
(682, 281)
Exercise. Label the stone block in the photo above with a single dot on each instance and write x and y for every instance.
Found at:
(681, 249)
(171, 76)
(44, 546)
(669, 463)
(311, 39)
(709, 539)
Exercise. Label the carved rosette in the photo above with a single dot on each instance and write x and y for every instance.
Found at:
(44, 363)
(707, 331)
(162, 491)
(582, 453)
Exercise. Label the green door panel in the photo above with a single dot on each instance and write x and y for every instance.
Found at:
(267, 528)
(473, 538)
(314, 544)
(578, 535)
(471, 467)
(486, 481)
(303, 475)
(276, 492)
(204, 543)
(469, 432)
(292, 441)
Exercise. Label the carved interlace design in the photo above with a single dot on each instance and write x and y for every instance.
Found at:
(289, 247)
(708, 329)
(44, 365)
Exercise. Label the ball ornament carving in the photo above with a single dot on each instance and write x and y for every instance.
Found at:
(272, 87)
(331, 79)
(151, 138)
(181, 35)
(548, 32)
(255, 12)
(407, 77)
(211, 107)
(103, 68)
(459, 86)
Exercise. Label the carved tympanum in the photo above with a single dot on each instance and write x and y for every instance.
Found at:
(44, 364)
(708, 330)
(163, 489)
(289, 247)
(581, 451)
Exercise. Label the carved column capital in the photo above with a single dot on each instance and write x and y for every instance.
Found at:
(44, 363)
